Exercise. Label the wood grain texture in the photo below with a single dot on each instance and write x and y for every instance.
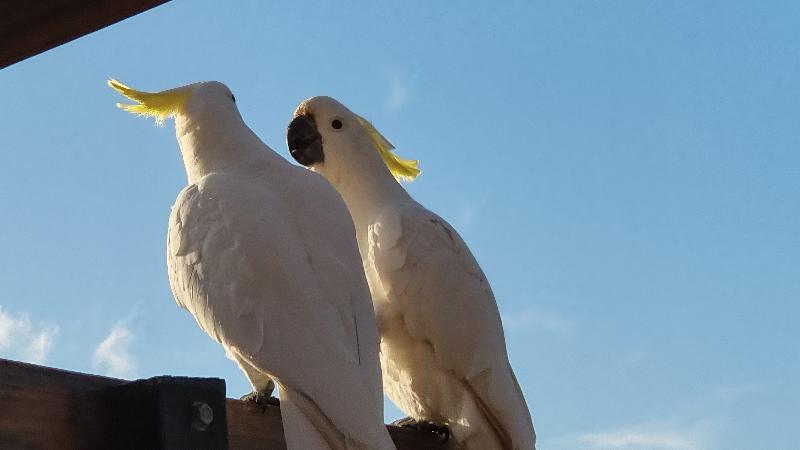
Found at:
(260, 428)
(30, 27)
(46, 408)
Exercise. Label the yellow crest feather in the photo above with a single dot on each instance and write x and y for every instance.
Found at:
(402, 169)
(159, 105)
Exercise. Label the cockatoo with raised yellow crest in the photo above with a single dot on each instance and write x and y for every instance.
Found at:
(263, 254)
(443, 352)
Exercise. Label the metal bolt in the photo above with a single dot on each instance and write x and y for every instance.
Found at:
(202, 415)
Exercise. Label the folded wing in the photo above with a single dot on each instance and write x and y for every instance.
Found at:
(427, 269)
(238, 261)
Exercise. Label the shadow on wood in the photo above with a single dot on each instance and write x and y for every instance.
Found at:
(45, 408)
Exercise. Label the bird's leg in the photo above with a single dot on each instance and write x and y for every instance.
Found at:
(263, 396)
(441, 431)
(263, 386)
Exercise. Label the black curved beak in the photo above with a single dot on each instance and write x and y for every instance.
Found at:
(304, 141)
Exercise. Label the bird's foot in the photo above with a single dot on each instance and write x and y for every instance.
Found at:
(441, 431)
(261, 399)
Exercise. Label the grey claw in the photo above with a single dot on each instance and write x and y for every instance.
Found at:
(261, 399)
(404, 422)
(441, 431)
(255, 397)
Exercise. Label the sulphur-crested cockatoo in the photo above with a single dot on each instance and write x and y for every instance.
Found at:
(263, 254)
(442, 347)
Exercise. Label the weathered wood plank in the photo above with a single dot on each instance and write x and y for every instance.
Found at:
(45, 408)
(254, 427)
(30, 27)
(260, 428)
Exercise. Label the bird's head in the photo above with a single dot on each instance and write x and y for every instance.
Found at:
(330, 139)
(194, 102)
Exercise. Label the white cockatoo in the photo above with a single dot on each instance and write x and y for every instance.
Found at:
(263, 254)
(443, 352)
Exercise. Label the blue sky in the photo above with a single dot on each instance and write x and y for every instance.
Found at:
(627, 173)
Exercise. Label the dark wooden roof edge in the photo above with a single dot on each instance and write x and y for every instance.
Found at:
(28, 28)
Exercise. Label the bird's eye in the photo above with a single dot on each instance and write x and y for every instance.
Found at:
(336, 124)
(233, 97)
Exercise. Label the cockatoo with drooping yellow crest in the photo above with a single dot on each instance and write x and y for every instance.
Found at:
(263, 254)
(443, 352)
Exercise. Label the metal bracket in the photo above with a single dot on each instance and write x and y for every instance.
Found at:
(168, 413)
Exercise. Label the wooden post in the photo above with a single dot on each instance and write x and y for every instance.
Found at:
(45, 408)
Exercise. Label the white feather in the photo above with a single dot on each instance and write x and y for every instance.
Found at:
(263, 255)
(443, 352)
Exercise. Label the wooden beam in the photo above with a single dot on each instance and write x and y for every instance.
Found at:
(41, 408)
(44, 408)
(30, 27)
(253, 427)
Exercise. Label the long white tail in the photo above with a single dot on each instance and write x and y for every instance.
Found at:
(298, 430)
(306, 427)
(473, 431)
(494, 414)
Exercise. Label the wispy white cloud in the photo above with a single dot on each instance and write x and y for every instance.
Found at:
(465, 216)
(699, 435)
(534, 318)
(40, 344)
(21, 340)
(398, 93)
(114, 354)
(732, 392)
(468, 212)
(634, 357)
(643, 439)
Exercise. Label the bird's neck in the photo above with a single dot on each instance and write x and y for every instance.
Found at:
(369, 193)
(217, 147)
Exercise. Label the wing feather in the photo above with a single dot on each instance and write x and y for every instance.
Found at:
(293, 305)
(426, 268)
